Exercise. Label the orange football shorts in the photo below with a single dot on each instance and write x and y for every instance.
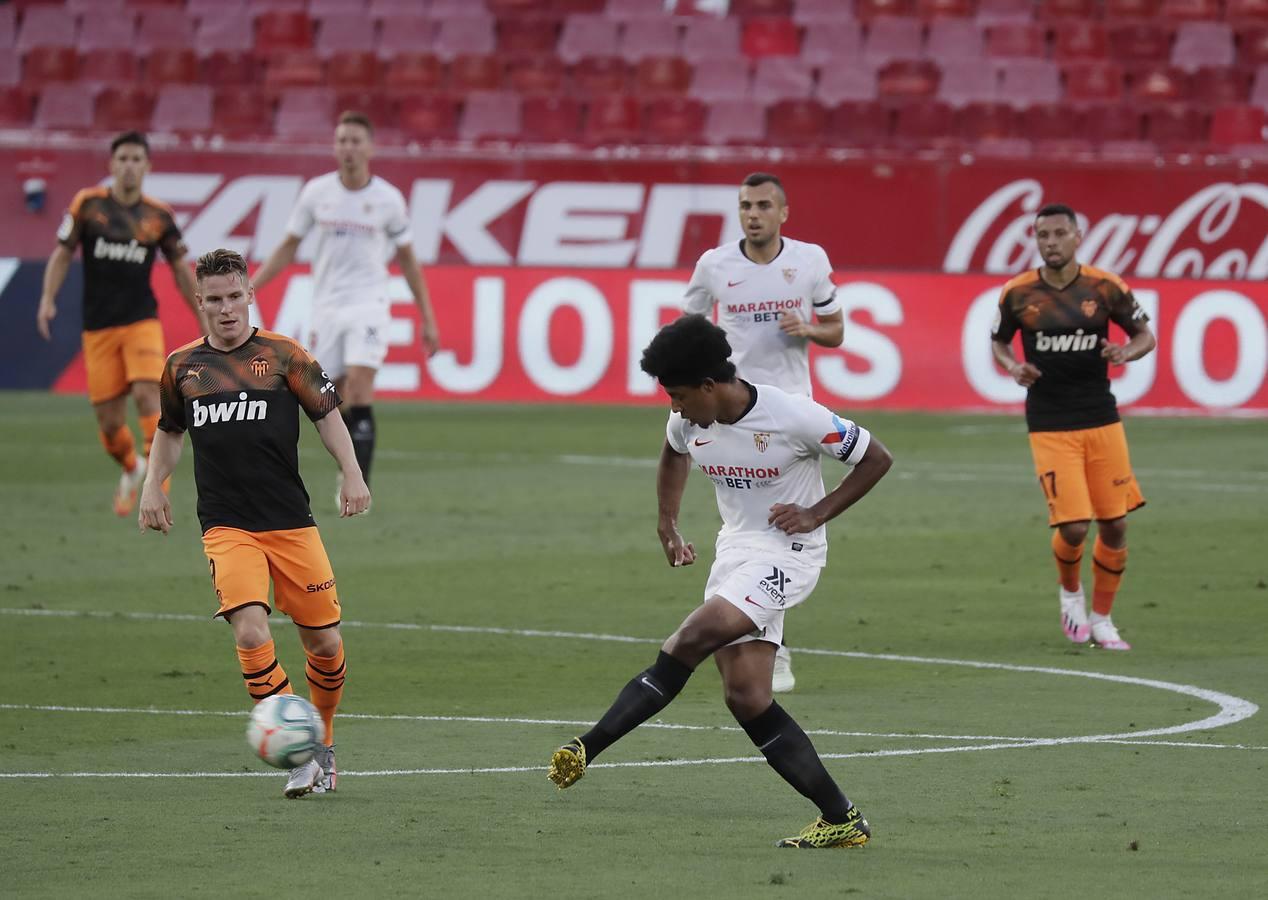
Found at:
(116, 357)
(1085, 474)
(243, 562)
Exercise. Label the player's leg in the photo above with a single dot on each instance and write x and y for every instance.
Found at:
(1115, 493)
(746, 669)
(143, 360)
(304, 589)
(327, 340)
(108, 393)
(710, 627)
(1060, 468)
(358, 414)
(240, 577)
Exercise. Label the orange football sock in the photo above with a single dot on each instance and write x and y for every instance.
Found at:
(325, 679)
(1069, 560)
(149, 425)
(262, 672)
(121, 445)
(1108, 564)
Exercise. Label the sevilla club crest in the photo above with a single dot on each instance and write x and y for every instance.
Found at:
(789, 275)
(761, 440)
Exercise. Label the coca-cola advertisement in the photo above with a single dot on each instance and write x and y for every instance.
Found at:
(1141, 220)
(912, 341)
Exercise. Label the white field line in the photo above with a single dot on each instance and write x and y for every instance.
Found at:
(1231, 709)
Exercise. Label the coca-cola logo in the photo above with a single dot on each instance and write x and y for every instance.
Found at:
(1218, 232)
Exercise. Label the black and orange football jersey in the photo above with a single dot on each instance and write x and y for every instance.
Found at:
(1061, 333)
(241, 408)
(119, 244)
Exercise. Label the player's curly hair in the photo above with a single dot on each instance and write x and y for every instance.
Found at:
(688, 351)
(221, 262)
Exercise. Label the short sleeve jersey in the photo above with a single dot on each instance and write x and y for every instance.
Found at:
(771, 455)
(1061, 331)
(752, 298)
(119, 246)
(358, 233)
(241, 408)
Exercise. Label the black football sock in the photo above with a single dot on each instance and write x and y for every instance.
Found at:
(360, 421)
(648, 693)
(788, 750)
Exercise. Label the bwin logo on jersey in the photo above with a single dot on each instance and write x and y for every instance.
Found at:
(232, 411)
(130, 252)
(1065, 343)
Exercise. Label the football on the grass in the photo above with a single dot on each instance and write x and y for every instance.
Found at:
(284, 730)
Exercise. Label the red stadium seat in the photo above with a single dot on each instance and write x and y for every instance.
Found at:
(797, 123)
(48, 64)
(8, 26)
(1191, 10)
(164, 27)
(750, 8)
(15, 107)
(1213, 86)
(536, 75)
(778, 78)
(64, 107)
(107, 30)
(413, 72)
(661, 75)
(600, 74)
(706, 37)
(277, 29)
(1015, 41)
(847, 84)
(1176, 127)
(735, 122)
(1131, 10)
(968, 81)
(534, 36)
(612, 119)
(588, 35)
(297, 68)
(405, 35)
(124, 107)
(1025, 82)
(109, 66)
(674, 120)
(1159, 84)
(1238, 124)
(182, 108)
(830, 43)
(1140, 43)
(464, 37)
(1252, 47)
(475, 72)
(551, 120)
(230, 67)
(45, 26)
(1047, 122)
(1001, 12)
(954, 40)
(770, 37)
(647, 37)
(352, 69)
(890, 39)
(859, 123)
(1080, 40)
(373, 103)
(982, 121)
(1113, 123)
(345, 32)
(1095, 82)
(907, 80)
(305, 112)
(243, 111)
(1200, 44)
(172, 65)
(932, 10)
(925, 124)
(1068, 10)
(867, 10)
(1247, 11)
(811, 14)
(490, 115)
(428, 117)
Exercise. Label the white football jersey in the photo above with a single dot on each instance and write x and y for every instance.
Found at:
(752, 297)
(359, 232)
(771, 455)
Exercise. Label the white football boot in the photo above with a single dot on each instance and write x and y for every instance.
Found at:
(782, 680)
(303, 779)
(1105, 635)
(1074, 622)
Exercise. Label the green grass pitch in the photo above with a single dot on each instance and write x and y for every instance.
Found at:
(505, 542)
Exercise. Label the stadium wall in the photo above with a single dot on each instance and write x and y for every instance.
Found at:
(520, 334)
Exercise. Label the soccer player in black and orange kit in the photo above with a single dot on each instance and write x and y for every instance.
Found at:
(239, 391)
(1063, 310)
(122, 231)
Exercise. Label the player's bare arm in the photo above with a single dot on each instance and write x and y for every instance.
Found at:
(156, 509)
(183, 274)
(54, 276)
(793, 519)
(281, 257)
(828, 331)
(671, 481)
(418, 287)
(1024, 374)
(1140, 344)
(354, 495)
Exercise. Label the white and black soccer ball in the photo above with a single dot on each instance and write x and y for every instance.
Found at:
(284, 730)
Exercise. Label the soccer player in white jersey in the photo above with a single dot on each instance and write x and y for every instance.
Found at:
(760, 447)
(769, 290)
(362, 222)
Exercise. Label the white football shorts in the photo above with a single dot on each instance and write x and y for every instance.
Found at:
(761, 585)
(351, 336)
